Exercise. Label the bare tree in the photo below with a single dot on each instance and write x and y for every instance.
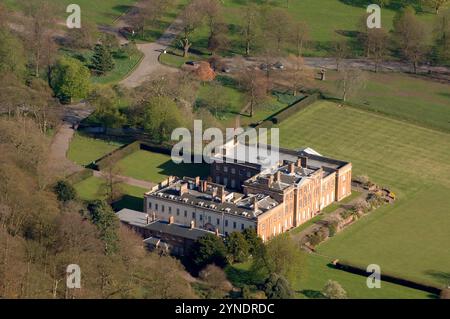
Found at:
(435, 4)
(255, 85)
(410, 35)
(340, 52)
(350, 81)
(377, 45)
(39, 33)
(278, 24)
(297, 74)
(112, 187)
(250, 28)
(300, 36)
(192, 18)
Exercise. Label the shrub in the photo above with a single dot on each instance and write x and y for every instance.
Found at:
(64, 191)
(277, 287)
(333, 290)
(333, 227)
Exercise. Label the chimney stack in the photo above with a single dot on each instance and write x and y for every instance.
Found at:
(217, 232)
(197, 181)
(183, 188)
(270, 180)
(148, 218)
(192, 224)
(291, 168)
(255, 204)
(203, 186)
(278, 176)
(221, 193)
(171, 220)
(304, 161)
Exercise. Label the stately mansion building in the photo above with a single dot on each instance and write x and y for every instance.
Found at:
(271, 196)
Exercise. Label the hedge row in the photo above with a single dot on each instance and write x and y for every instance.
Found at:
(80, 176)
(282, 115)
(118, 154)
(390, 277)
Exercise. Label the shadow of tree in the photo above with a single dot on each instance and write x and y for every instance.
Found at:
(312, 294)
(441, 276)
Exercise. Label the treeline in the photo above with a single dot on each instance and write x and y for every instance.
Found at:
(44, 228)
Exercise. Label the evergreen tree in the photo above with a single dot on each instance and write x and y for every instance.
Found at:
(209, 249)
(277, 287)
(107, 223)
(237, 247)
(102, 60)
(65, 191)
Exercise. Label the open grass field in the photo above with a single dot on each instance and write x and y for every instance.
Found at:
(410, 236)
(101, 12)
(323, 18)
(84, 150)
(155, 167)
(402, 96)
(91, 189)
(315, 275)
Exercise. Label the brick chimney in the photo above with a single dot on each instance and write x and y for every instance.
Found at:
(197, 181)
(192, 224)
(255, 204)
(147, 218)
(203, 186)
(183, 188)
(217, 232)
(221, 193)
(278, 176)
(299, 162)
(291, 168)
(304, 161)
(270, 180)
(171, 220)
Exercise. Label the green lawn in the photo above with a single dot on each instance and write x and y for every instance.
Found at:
(315, 275)
(84, 150)
(406, 97)
(102, 12)
(90, 189)
(155, 167)
(408, 237)
(122, 68)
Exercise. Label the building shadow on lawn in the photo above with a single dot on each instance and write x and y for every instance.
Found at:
(170, 168)
(441, 276)
(130, 202)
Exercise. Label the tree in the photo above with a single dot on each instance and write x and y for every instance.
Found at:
(12, 54)
(340, 52)
(350, 81)
(214, 101)
(204, 72)
(216, 282)
(277, 287)
(107, 223)
(435, 4)
(70, 79)
(209, 249)
(377, 45)
(161, 117)
(112, 187)
(297, 75)
(39, 36)
(237, 247)
(277, 25)
(250, 29)
(106, 110)
(441, 48)
(300, 35)
(65, 191)
(102, 60)
(192, 18)
(333, 290)
(83, 38)
(255, 242)
(410, 36)
(255, 85)
(281, 256)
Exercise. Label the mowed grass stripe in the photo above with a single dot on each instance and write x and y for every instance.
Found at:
(407, 237)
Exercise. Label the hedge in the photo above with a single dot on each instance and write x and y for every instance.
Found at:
(285, 113)
(119, 154)
(80, 176)
(390, 277)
